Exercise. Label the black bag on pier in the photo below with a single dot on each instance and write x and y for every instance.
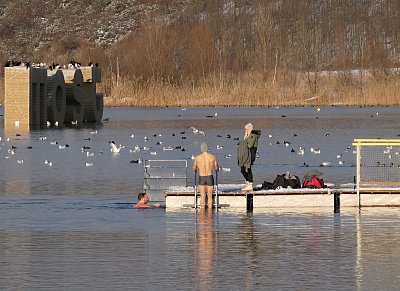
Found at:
(267, 185)
(283, 181)
(287, 181)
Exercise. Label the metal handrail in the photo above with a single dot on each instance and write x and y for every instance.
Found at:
(158, 164)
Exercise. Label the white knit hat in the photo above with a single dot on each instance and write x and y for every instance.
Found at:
(249, 126)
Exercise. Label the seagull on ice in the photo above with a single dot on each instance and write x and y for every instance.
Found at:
(135, 149)
(325, 164)
(61, 147)
(114, 149)
(301, 151)
(315, 151)
(195, 130)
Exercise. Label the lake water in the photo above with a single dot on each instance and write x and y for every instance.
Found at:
(70, 226)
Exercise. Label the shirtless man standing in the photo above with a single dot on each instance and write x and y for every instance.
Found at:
(205, 163)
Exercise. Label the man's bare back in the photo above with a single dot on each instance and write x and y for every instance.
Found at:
(205, 163)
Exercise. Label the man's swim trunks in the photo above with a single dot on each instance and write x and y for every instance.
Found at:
(206, 180)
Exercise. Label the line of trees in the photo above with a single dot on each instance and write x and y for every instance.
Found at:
(268, 51)
(283, 44)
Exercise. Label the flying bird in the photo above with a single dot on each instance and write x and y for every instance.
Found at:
(113, 147)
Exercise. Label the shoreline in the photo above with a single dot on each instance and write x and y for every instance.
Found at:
(109, 106)
(247, 90)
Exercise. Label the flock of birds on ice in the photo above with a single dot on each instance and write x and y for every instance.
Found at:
(10, 148)
(143, 147)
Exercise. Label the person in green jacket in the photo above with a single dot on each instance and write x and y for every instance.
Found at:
(247, 151)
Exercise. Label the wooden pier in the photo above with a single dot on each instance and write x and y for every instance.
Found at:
(333, 198)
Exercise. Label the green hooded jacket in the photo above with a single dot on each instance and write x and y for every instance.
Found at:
(252, 140)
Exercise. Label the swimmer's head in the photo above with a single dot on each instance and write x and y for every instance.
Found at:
(204, 147)
(141, 196)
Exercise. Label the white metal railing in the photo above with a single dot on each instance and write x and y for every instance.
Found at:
(160, 175)
(378, 163)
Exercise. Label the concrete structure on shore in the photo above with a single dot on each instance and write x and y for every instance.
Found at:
(35, 97)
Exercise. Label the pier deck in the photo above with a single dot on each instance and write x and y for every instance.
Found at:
(333, 198)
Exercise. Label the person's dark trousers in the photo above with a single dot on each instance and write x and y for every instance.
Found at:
(248, 175)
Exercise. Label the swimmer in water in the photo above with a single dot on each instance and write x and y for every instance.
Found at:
(143, 202)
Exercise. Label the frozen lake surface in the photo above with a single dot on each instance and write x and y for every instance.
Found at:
(96, 171)
(71, 225)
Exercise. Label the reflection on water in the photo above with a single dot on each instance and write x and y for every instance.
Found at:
(120, 247)
(206, 248)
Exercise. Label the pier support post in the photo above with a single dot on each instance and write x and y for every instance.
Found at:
(249, 204)
(336, 202)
